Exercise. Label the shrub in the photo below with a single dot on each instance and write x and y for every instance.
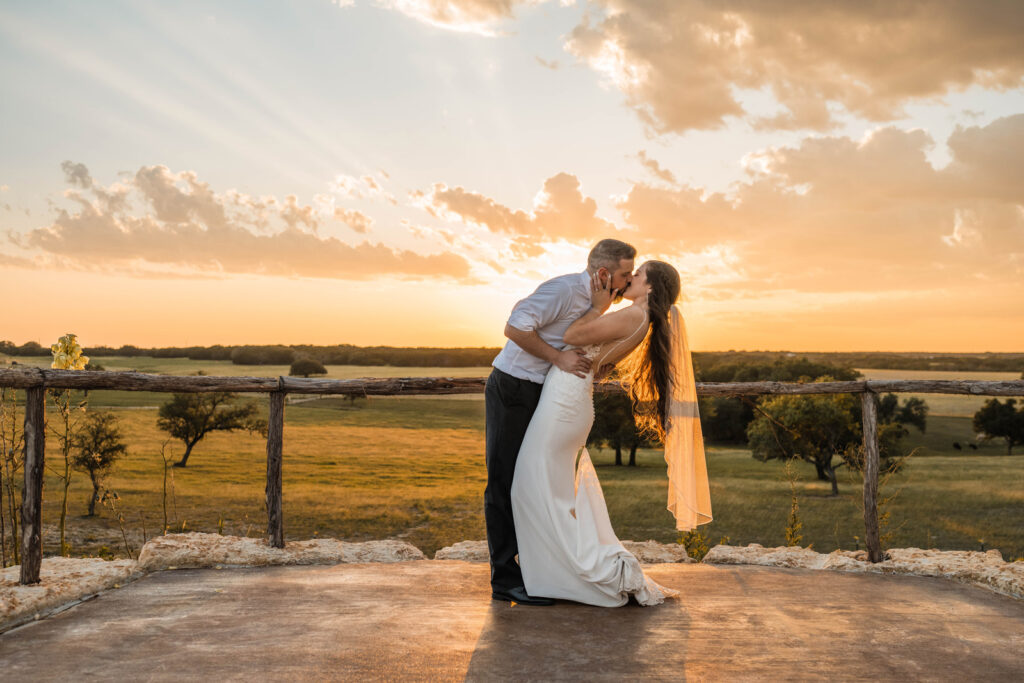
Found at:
(307, 367)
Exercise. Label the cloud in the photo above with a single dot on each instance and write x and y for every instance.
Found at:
(365, 187)
(552, 64)
(357, 220)
(681, 63)
(16, 261)
(656, 168)
(560, 211)
(185, 224)
(837, 214)
(76, 174)
(473, 16)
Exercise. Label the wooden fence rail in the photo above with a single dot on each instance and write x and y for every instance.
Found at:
(36, 380)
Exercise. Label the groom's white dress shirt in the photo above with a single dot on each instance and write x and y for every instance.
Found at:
(549, 311)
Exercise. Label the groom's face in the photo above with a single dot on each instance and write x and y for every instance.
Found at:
(622, 275)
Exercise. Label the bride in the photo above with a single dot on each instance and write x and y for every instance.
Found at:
(567, 548)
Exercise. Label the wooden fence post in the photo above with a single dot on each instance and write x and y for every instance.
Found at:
(275, 436)
(869, 411)
(32, 500)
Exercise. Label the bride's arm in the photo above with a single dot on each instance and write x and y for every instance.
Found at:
(595, 328)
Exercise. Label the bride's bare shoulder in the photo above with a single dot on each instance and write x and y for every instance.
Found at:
(625, 321)
(630, 314)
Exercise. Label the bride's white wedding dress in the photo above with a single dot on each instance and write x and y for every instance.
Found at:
(567, 548)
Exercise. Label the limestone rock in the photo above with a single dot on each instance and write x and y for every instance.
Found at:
(209, 550)
(467, 551)
(985, 569)
(62, 580)
(652, 552)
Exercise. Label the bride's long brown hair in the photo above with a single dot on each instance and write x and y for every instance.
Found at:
(648, 370)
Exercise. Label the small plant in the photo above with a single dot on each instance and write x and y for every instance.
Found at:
(12, 441)
(696, 544)
(168, 473)
(110, 499)
(67, 355)
(885, 533)
(793, 523)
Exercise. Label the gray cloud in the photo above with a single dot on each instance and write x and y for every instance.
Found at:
(76, 174)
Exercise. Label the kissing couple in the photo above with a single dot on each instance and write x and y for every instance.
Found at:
(543, 500)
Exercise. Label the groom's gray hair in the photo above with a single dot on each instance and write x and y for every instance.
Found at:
(608, 253)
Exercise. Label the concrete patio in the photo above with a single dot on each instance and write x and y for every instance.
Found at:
(434, 620)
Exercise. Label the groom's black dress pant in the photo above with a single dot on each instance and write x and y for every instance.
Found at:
(510, 403)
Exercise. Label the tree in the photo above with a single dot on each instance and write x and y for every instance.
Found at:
(307, 367)
(615, 427)
(996, 419)
(913, 412)
(814, 429)
(724, 419)
(97, 446)
(820, 428)
(190, 417)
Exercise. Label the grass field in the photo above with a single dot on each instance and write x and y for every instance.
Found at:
(412, 468)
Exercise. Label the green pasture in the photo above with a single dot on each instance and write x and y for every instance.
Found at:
(413, 469)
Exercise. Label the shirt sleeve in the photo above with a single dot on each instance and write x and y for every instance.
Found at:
(541, 308)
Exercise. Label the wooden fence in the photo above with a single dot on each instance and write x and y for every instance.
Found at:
(35, 381)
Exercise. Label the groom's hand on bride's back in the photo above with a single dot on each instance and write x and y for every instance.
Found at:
(574, 361)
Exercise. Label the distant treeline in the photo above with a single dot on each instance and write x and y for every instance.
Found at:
(341, 354)
(349, 354)
(878, 360)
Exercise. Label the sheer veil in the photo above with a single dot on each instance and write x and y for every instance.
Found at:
(688, 496)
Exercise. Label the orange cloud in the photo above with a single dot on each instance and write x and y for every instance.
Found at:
(185, 224)
(560, 211)
(835, 214)
(680, 62)
(357, 220)
(655, 168)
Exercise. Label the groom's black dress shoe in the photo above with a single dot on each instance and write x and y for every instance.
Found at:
(519, 595)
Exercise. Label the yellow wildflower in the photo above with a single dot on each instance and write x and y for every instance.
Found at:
(67, 354)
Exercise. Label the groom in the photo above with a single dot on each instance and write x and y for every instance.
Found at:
(534, 330)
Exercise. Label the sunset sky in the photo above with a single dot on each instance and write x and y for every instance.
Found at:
(826, 176)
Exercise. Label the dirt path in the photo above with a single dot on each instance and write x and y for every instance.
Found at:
(434, 620)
